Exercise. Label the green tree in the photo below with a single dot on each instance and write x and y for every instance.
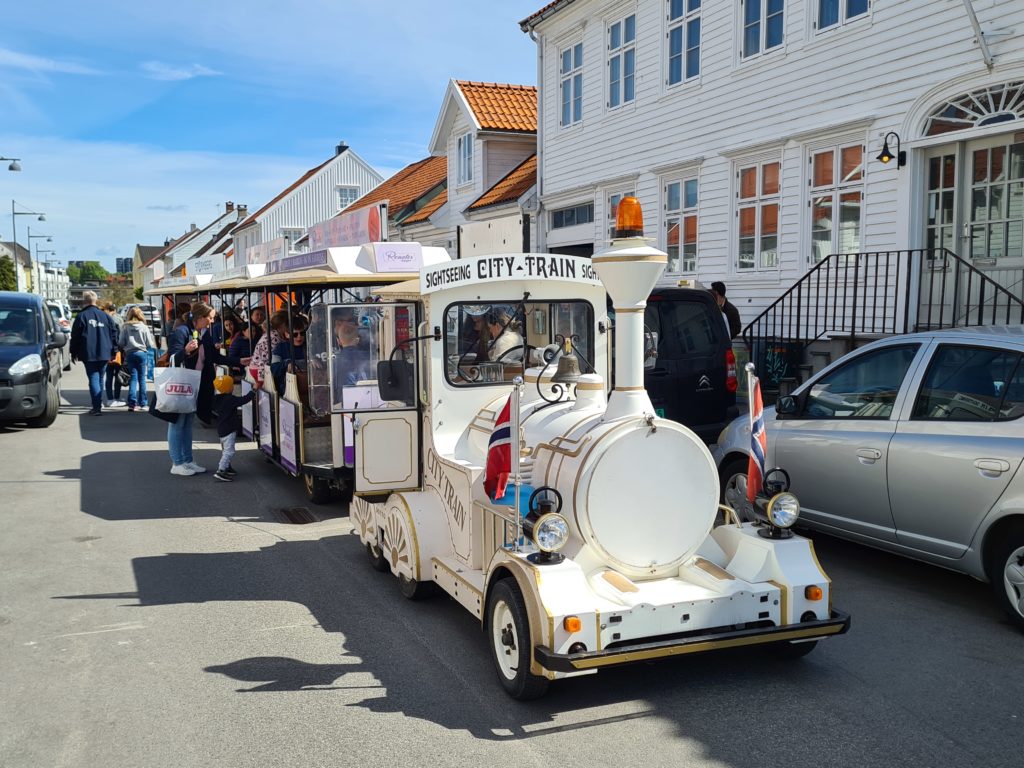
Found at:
(93, 271)
(8, 277)
(74, 274)
(138, 293)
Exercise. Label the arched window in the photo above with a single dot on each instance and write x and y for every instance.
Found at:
(985, 106)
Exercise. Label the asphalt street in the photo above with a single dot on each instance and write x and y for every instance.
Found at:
(153, 620)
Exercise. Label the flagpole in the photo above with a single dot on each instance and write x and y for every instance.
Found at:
(749, 368)
(517, 384)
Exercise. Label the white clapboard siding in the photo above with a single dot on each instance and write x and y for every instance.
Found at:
(877, 73)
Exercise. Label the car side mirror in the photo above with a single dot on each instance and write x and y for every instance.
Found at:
(786, 406)
(395, 381)
(57, 339)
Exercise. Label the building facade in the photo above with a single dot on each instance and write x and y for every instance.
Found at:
(750, 132)
(50, 280)
(316, 196)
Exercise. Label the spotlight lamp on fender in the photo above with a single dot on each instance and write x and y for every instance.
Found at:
(886, 156)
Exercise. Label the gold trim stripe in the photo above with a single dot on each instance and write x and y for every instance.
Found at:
(680, 650)
(628, 389)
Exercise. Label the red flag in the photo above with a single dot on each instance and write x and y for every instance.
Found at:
(758, 440)
(499, 454)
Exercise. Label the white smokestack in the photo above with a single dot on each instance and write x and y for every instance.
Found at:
(629, 268)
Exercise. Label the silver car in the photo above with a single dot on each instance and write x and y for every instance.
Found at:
(912, 444)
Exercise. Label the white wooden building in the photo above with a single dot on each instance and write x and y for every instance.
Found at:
(742, 126)
(316, 196)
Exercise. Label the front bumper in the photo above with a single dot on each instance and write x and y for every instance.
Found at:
(22, 398)
(838, 623)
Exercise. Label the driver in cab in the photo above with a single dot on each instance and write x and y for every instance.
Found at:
(505, 336)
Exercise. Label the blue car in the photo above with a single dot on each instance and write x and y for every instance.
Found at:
(30, 360)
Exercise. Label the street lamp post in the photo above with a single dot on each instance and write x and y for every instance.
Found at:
(15, 163)
(14, 228)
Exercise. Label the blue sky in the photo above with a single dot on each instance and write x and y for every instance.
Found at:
(134, 119)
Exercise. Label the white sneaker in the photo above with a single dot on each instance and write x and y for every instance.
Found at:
(107, 403)
(183, 469)
(118, 403)
(197, 469)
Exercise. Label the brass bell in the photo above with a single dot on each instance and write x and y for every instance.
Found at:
(568, 371)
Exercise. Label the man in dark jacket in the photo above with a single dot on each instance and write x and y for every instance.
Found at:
(732, 315)
(93, 343)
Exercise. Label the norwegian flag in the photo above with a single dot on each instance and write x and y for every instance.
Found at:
(758, 438)
(499, 454)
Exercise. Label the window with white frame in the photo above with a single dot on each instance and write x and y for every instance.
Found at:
(573, 215)
(762, 26)
(570, 73)
(613, 206)
(757, 215)
(681, 224)
(464, 153)
(346, 194)
(291, 234)
(621, 61)
(834, 13)
(837, 195)
(683, 40)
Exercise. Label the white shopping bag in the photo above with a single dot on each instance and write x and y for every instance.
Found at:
(176, 389)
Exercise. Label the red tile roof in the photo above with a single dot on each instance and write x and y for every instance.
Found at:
(548, 10)
(299, 181)
(510, 188)
(427, 210)
(501, 107)
(407, 186)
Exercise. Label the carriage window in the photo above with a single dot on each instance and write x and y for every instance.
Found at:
(487, 343)
(361, 357)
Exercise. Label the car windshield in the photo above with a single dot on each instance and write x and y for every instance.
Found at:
(17, 326)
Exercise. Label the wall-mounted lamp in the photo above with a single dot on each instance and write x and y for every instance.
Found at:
(886, 156)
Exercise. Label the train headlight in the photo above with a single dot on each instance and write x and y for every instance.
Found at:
(550, 532)
(783, 510)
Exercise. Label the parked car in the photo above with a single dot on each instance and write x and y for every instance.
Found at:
(62, 318)
(689, 365)
(912, 444)
(30, 360)
(152, 315)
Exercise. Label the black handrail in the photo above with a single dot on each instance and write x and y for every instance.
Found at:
(864, 292)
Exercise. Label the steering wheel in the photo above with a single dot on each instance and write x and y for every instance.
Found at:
(506, 353)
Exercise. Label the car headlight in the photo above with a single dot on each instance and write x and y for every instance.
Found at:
(27, 364)
(550, 532)
(783, 510)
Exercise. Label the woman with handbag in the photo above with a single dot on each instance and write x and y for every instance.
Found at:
(192, 345)
(112, 385)
(136, 340)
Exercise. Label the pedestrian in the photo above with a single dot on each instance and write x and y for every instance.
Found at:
(261, 353)
(136, 340)
(226, 405)
(92, 344)
(732, 315)
(112, 383)
(190, 345)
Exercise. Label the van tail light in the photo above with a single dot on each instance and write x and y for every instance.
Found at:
(731, 382)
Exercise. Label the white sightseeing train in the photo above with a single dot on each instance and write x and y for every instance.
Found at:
(607, 546)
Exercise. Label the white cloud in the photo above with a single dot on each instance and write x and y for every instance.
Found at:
(158, 70)
(40, 64)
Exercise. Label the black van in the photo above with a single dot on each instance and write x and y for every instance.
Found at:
(690, 368)
(30, 365)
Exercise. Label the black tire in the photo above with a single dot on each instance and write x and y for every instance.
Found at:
(318, 489)
(508, 636)
(1006, 572)
(377, 559)
(49, 414)
(791, 651)
(415, 590)
(732, 469)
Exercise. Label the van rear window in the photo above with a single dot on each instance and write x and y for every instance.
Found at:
(684, 328)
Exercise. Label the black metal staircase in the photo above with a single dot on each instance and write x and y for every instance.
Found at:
(862, 296)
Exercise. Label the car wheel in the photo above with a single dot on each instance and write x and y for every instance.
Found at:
(1006, 572)
(49, 414)
(508, 635)
(733, 478)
